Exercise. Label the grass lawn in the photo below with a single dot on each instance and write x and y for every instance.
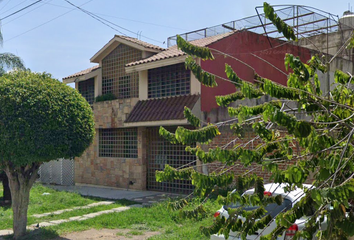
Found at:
(155, 218)
(53, 201)
(136, 220)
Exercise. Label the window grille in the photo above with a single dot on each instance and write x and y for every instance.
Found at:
(161, 152)
(124, 87)
(113, 72)
(118, 142)
(168, 81)
(87, 90)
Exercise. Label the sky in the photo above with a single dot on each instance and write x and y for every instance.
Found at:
(56, 37)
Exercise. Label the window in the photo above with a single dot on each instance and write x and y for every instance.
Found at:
(87, 90)
(124, 87)
(118, 143)
(114, 78)
(168, 81)
(273, 209)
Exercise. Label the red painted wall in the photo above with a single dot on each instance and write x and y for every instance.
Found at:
(242, 45)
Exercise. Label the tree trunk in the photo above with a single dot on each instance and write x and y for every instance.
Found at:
(7, 192)
(6, 188)
(21, 180)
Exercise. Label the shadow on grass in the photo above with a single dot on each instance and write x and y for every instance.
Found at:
(4, 205)
(38, 234)
(124, 202)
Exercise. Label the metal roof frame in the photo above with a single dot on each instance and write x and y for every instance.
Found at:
(306, 22)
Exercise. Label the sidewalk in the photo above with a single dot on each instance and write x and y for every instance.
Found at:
(144, 197)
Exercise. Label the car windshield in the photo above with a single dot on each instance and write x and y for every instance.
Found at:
(273, 209)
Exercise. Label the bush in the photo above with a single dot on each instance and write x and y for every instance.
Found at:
(105, 97)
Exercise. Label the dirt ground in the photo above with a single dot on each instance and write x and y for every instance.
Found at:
(107, 234)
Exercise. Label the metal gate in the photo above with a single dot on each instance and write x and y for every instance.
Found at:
(60, 172)
(161, 152)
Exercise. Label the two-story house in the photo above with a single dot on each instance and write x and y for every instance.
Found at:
(151, 86)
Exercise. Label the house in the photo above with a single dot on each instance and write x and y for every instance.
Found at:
(151, 87)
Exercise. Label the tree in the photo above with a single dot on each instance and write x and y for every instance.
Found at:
(41, 119)
(8, 61)
(325, 139)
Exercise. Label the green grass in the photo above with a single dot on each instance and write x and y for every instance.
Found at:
(136, 220)
(56, 200)
(139, 220)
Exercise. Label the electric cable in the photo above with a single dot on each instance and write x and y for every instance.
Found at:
(20, 10)
(8, 10)
(102, 20)
(5, 4)
(45, 23)
(33, 9)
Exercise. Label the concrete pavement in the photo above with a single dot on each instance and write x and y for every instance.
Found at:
(144, 197)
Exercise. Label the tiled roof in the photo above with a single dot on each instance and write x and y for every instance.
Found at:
(83, 72)
(141, 43)
(175, 52)
(170, 108)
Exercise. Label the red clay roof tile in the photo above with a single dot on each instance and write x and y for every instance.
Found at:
(83, 72)
(175, 52)
(141, 43)
(160, 109)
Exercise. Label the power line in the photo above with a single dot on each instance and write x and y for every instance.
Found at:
(103, 21)
(45, 23)
(93, 16)
(20, 10)
(5, 4)
(33, 9)
(126, 19)
(8, 10)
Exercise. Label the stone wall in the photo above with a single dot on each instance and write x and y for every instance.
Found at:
(112, 114)
(113, 172)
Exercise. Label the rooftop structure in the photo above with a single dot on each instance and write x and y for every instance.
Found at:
(306, 22)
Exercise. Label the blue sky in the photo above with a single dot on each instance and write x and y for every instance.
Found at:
(55, 37)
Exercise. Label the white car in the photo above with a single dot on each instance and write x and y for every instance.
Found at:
(272, 189)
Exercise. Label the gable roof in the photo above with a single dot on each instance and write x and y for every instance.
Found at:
(139, 42)
(83, 72)
(173, 51)
(129, 41)
(161, 109)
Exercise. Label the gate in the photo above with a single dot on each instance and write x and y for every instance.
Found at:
(161, 152)
(60, 172)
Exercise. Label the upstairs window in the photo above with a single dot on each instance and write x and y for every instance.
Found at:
(124, 87)
(87, 90)
(114, 78)
(168, 81)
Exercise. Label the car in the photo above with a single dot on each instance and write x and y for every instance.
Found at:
(271, 189)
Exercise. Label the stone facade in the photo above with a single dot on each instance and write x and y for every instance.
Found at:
(107, 171)
(112, 114)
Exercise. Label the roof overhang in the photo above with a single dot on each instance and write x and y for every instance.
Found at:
(163, 111)
(155, 64)
(157, 123)
(113, 43)
(83, 77)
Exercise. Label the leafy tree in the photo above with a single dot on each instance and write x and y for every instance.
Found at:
(8, 61)
(41, 119)
(324, 137)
